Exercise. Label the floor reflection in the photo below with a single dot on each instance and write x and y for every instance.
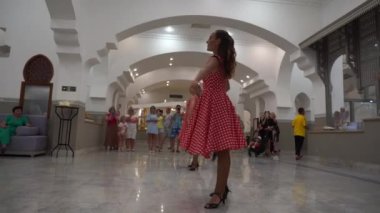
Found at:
(160, 182)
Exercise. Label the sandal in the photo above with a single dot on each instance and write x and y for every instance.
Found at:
(194, 167)
(226, 191)
(215, 205)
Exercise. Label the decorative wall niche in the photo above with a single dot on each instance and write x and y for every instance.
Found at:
(36, 89)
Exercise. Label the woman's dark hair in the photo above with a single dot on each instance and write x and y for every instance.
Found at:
(301, 110)
(111, 109)
(16, 108)
(227, 52)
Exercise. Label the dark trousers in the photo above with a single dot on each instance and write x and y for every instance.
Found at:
(298, 143)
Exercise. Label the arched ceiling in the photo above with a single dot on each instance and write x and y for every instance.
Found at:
(166, 88)
(201, 32)
(212, 21)
(184, 59)
(188, 28)
(176, 85)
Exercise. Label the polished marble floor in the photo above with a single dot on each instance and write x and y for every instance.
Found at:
(160, 182)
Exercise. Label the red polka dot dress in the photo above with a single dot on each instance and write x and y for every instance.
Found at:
(214, 125)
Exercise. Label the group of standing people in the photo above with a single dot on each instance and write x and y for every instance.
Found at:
(269, 130)
(121, 130)
(160, 127)
(269, 133)
(210, 125)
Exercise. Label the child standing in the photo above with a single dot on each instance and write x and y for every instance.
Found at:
(132, 121)
(195, 92)
(167, 124)
(299, 130)
(161, 130)
(122, 131)
(176, 128)
(152, 130)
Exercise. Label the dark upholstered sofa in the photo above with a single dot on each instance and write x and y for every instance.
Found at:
(29, 140)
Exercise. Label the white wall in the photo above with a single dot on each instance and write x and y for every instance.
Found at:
(299, 84)
(247, 119)
(337, 93)
(337, 8)
(233, 94)
(28, 33)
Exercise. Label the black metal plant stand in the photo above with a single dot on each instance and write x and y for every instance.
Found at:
(65, 115)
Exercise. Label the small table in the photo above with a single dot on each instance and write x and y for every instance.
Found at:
(66, 114)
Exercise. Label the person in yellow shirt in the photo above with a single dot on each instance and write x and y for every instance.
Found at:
(299, 131)
(161, 130)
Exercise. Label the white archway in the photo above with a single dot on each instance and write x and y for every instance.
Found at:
(210, 20)
(260, 107)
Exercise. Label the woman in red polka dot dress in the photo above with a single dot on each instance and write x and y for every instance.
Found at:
(214, 126)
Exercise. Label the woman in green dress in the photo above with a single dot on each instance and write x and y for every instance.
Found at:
(9, 126)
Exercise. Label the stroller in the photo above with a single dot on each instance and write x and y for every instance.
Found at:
(258, 144)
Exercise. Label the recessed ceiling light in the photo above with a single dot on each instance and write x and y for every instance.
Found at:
(169, 29)
(136, 74)
(135, 69)
(170, 64)
(171, 59)
(247, 76)
(241, 81)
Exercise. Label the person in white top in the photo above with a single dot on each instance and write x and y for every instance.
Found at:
(131, 120)
(122, 130)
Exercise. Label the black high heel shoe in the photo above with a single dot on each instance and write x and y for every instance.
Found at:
(214, 156)
(194, 167)
(226, 191)
(215, 205)
(225, 194)
(192, 164)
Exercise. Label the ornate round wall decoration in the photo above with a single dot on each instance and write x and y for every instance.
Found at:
(38, 69)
